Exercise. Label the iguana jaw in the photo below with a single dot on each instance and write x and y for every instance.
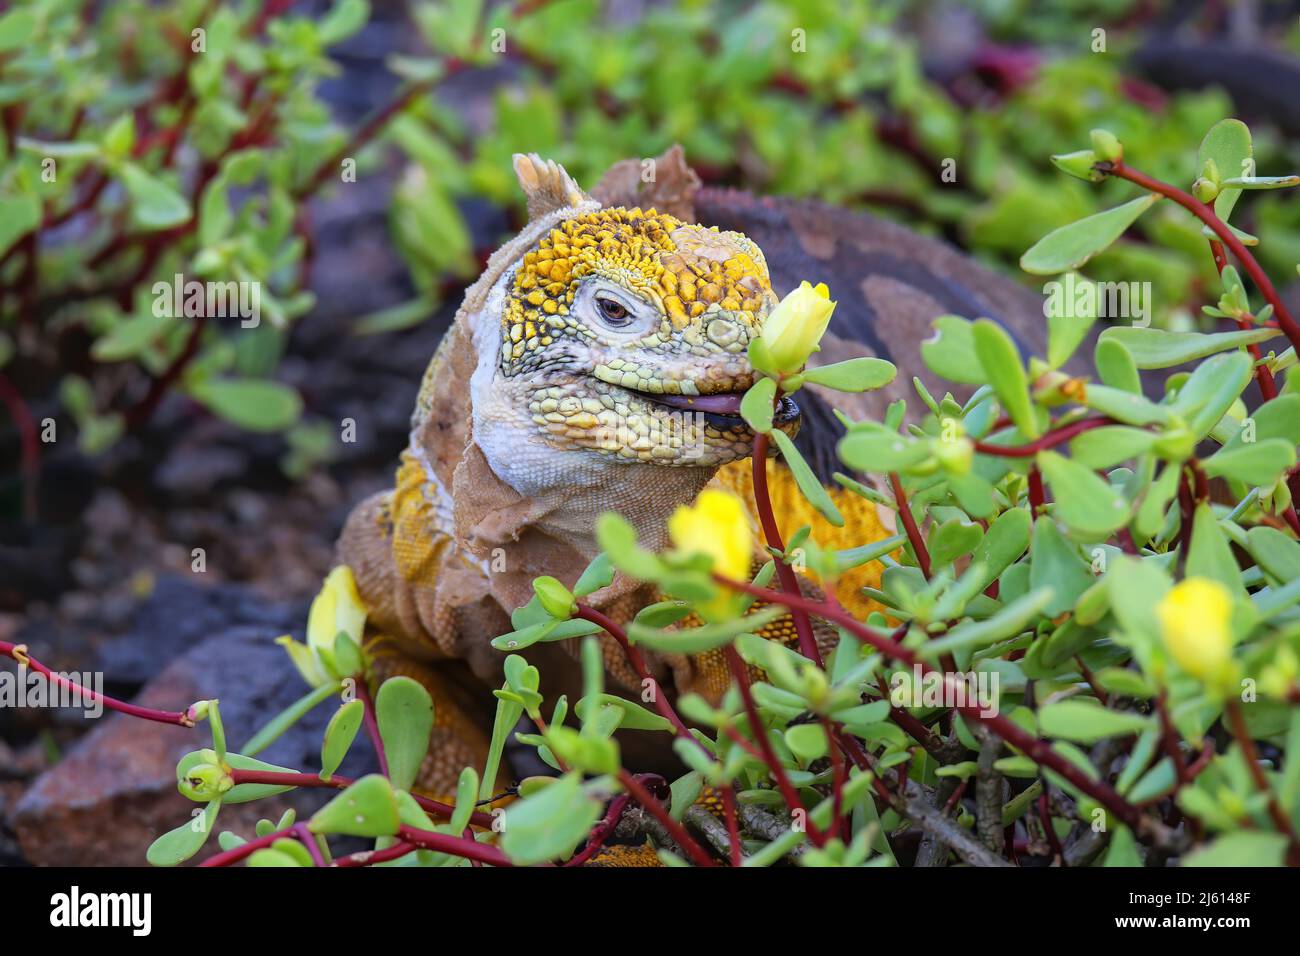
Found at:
(722, 409)
(715, 400)
(674, 426)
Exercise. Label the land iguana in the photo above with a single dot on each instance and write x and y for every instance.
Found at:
(597, 365)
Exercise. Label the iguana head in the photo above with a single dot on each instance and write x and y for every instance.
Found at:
(623, 333)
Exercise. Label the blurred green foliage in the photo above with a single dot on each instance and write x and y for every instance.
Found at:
(831, 101)
(144, 144)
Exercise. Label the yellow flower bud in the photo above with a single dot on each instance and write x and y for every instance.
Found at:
(793, 329)
(716, 526)
(336, 608)
(307, 663)
(1196, 623)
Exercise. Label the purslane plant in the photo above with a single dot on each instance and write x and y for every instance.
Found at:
(1124, 561)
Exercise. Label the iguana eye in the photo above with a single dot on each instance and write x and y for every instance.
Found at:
(613, 312)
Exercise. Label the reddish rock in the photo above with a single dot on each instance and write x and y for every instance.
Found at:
(115, 790)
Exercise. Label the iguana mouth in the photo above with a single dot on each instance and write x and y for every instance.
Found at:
(722, 409)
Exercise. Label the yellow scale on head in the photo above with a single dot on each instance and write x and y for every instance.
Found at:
(682, 268)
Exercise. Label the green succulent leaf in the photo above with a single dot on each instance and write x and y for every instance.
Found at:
(340, 733)
(1156, 348)
(1084, 722)
(254, 404)
(950, 352)
(807, 481)
(549, 824)
(154, 203)
(1003, 370)
(404, 711)
(176, 846)
(599, 574)
(1228, 146)
(1085, 502)
(368, 808)
(1069, 247)
(635, 717)
(756, 407)
(853, 375)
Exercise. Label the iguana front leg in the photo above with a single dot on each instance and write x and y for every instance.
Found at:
(398, 555)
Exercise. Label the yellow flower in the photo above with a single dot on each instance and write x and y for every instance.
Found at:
(1196, 623)
(337, 608)
(716, 526)
(793, 329)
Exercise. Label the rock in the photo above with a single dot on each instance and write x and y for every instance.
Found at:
(10, 855)
(194, 469)
(115, 791)
(179, 615)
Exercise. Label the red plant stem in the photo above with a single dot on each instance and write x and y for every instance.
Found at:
(733, 829)
(278, 778)
(1220, 257)
(863, 761)
(1202, 761)
(1207, 215)
(1169, 738)
(371, 857)
(454, 845)
(955, 798)
(368, 130)
(788, 580)
(1051, 439)
(1036, 749)
(637, 659)
(756, 727)
(656, 809)
(143, 410)
(19, 653)
(1045, 817)
(1091, 678)
(909, 525)
(1202, 481)
(838, 777)
(1037, 497)
(744, 744)
(29, 442)
(309, 841)
(909, 724)
(372, 724)
(1237, 724)
(604, 830)
(1267, 386)
(235, 854)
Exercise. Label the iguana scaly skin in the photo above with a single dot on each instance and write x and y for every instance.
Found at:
(593, 367)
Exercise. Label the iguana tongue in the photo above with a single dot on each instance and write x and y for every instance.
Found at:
(724, 403)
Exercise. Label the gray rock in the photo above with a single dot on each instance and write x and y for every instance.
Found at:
(115, 791)
(179, 615)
